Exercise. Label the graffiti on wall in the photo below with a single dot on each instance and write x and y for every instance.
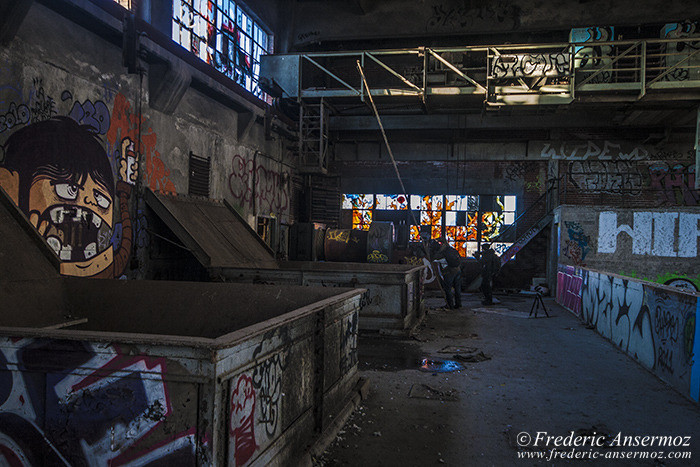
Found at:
(679, 53)
(77, 403)
(593, 150)
(609, 177)
(591, 56)
(675, 183)
(569, 283)
(577, 246)
(70, 166)
(243, 419)
(255, 186)
(530, 65)
(447, 16)
(665, 234)
(380, 242)
(615, 307)
(654, 325)
(256, 397)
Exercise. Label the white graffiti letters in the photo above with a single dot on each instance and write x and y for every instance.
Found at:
(652, 233)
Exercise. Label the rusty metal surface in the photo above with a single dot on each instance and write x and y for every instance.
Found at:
(213, 231)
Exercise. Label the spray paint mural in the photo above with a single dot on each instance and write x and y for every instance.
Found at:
(578, 244)
(73, 174)
(652, 233)
(81, 403)
(255, 186)
(655, 325)
(674, 183)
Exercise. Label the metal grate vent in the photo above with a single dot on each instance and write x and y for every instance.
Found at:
(199, 175)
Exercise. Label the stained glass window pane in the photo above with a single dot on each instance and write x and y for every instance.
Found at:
(460, 247)
(472, 225)
(492, 222)
(436, 232)
(361, 219)
(431, 203)
(461, 202)
(450, 218)
(415, 233)
(358, 201)
(431, 217)
(509, 203)
(395, 202)
(508, 218)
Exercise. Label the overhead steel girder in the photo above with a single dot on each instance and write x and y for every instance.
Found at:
(503, 75)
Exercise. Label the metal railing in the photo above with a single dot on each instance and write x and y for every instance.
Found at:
(507, 74)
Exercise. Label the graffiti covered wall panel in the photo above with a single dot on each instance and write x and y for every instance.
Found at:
(70, 162)
(621, 240)
(655, 325)
(85, 403)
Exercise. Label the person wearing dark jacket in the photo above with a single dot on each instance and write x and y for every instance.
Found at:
(490, 264)
(451, 273)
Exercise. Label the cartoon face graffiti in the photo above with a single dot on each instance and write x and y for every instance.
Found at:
(59, 175)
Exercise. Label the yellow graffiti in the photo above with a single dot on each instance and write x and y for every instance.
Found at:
(414, 260)
(377, 257)
(338, 235)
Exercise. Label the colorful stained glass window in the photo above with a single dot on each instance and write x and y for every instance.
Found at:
(472, 225)
(392, 202)
(507, 206)
(361, 219)
(456, 233)
(428, 203)
(358, 201)
(431, 217)
(415, 233)
(461, 202)
(491, 225)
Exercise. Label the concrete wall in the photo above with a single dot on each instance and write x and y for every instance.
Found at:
(57, 70)
(656, 325)
(659, 245)
(318, 21)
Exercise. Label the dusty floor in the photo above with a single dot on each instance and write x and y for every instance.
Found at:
(548, 375)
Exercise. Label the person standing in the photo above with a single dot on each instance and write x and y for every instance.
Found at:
(490, 264)
(451, 273)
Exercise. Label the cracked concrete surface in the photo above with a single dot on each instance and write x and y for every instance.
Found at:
(545, 375)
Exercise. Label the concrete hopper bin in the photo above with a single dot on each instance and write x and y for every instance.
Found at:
(122, 372)
(231, 251)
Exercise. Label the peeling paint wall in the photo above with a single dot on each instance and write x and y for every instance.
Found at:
(655, 325)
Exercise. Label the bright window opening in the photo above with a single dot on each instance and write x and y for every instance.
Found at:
(222, 34)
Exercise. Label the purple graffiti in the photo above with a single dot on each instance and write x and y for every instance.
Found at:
(675, 184)
(95, 115)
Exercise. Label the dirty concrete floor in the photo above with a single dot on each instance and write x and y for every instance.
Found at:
(547, 374)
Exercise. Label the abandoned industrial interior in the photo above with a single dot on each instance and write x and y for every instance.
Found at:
(229, 231)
